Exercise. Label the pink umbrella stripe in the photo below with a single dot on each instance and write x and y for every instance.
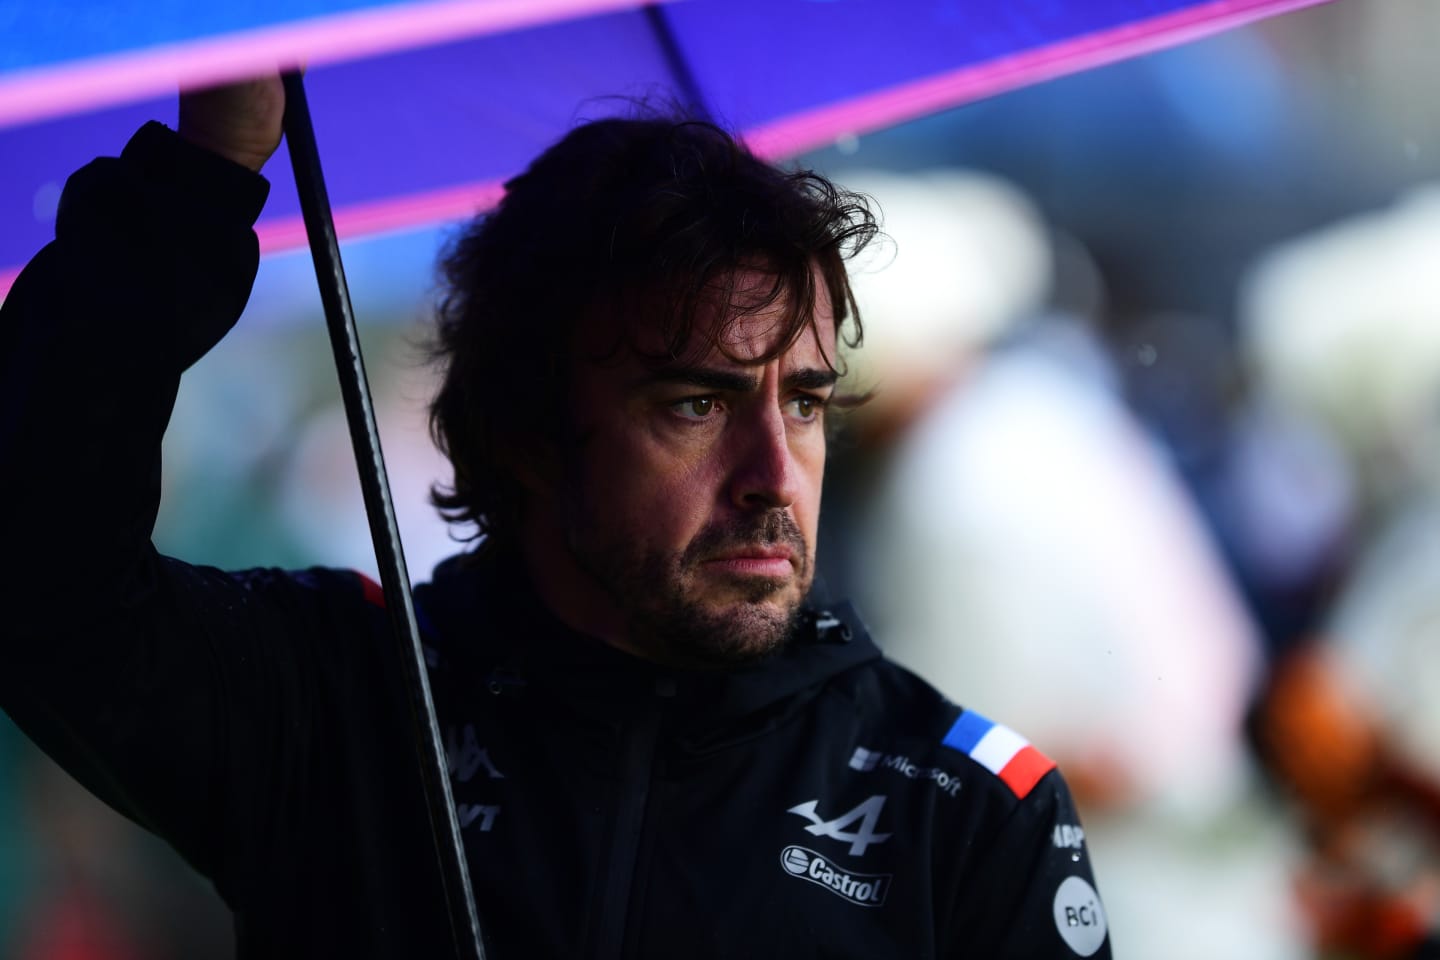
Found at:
(30, 95)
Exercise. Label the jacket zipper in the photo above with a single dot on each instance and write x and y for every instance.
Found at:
(638, 757)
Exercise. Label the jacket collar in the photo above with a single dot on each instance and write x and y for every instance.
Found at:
(482, 615)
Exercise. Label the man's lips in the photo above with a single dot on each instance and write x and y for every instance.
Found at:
(760, 551)
(762, 560)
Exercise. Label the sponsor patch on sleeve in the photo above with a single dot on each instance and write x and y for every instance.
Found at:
(1000, 750)
(1079, 916)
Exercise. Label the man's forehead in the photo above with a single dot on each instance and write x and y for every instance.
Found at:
(742, 343)
(751, 322)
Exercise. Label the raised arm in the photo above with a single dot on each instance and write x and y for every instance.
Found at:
(151, 264)
(164, 688)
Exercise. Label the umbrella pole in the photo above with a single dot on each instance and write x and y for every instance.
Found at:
(384, 531)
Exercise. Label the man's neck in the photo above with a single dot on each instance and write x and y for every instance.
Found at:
(567, 590)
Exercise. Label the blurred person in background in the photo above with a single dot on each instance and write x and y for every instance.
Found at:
(1028, 545)
(1340, 326)
(661, 741)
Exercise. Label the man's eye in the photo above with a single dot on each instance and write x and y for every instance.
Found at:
(694, 408)
(807, 407)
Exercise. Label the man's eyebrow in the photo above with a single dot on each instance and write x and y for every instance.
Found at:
(811, 378)
(709, 378)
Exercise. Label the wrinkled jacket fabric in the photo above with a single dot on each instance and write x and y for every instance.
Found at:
(824, 803)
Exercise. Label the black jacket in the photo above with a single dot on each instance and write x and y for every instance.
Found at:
(825, 803)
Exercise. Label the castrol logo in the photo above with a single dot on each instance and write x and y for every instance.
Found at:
(862, 889)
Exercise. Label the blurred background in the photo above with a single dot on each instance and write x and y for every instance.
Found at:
(1152, 473)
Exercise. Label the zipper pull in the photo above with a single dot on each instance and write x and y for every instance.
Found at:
(832, 628)
(502, 682)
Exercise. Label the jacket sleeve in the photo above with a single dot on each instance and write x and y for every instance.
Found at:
(175, 693)
(1040, 899)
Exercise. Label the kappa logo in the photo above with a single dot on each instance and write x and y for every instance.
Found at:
(862, 889)
(868, 813)
(466, 757)
(865, 760)
(469, 813)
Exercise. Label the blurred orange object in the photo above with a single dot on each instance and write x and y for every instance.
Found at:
(1319, 738)
(1364, 921)
(1371, 888)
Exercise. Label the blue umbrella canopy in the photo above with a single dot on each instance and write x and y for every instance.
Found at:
(423, 108)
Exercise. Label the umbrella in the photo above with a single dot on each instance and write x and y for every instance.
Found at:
(433, 104)
(425, 107)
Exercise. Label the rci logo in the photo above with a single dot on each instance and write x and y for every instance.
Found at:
(1079, 916)
(863, 889)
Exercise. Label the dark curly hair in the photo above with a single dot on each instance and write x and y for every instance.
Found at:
(623, 222)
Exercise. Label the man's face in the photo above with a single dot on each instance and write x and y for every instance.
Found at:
(689, 511)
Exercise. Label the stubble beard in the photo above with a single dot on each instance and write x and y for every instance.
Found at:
(671, 605)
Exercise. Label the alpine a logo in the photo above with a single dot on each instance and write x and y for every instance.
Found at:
(861, 889)
(867, 813)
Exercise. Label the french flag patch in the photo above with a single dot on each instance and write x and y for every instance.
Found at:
(1000, 750)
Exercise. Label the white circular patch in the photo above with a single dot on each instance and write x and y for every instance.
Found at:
(795, 861)
(1079, 916)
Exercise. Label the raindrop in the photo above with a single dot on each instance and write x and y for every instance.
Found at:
(46, 202)
(847, 143)
(1146, 354)
(1075, 857)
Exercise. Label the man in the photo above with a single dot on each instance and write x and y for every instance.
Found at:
(658, 747)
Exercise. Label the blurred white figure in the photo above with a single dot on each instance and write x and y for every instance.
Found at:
(1343, 323)
(1029, 552)
(942, 290)
(1346, 324)
(1386, 630)
(1028, 511)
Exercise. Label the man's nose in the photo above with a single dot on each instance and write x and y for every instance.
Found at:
(765, 473)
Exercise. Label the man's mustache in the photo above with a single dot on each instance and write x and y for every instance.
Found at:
(772, 528)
